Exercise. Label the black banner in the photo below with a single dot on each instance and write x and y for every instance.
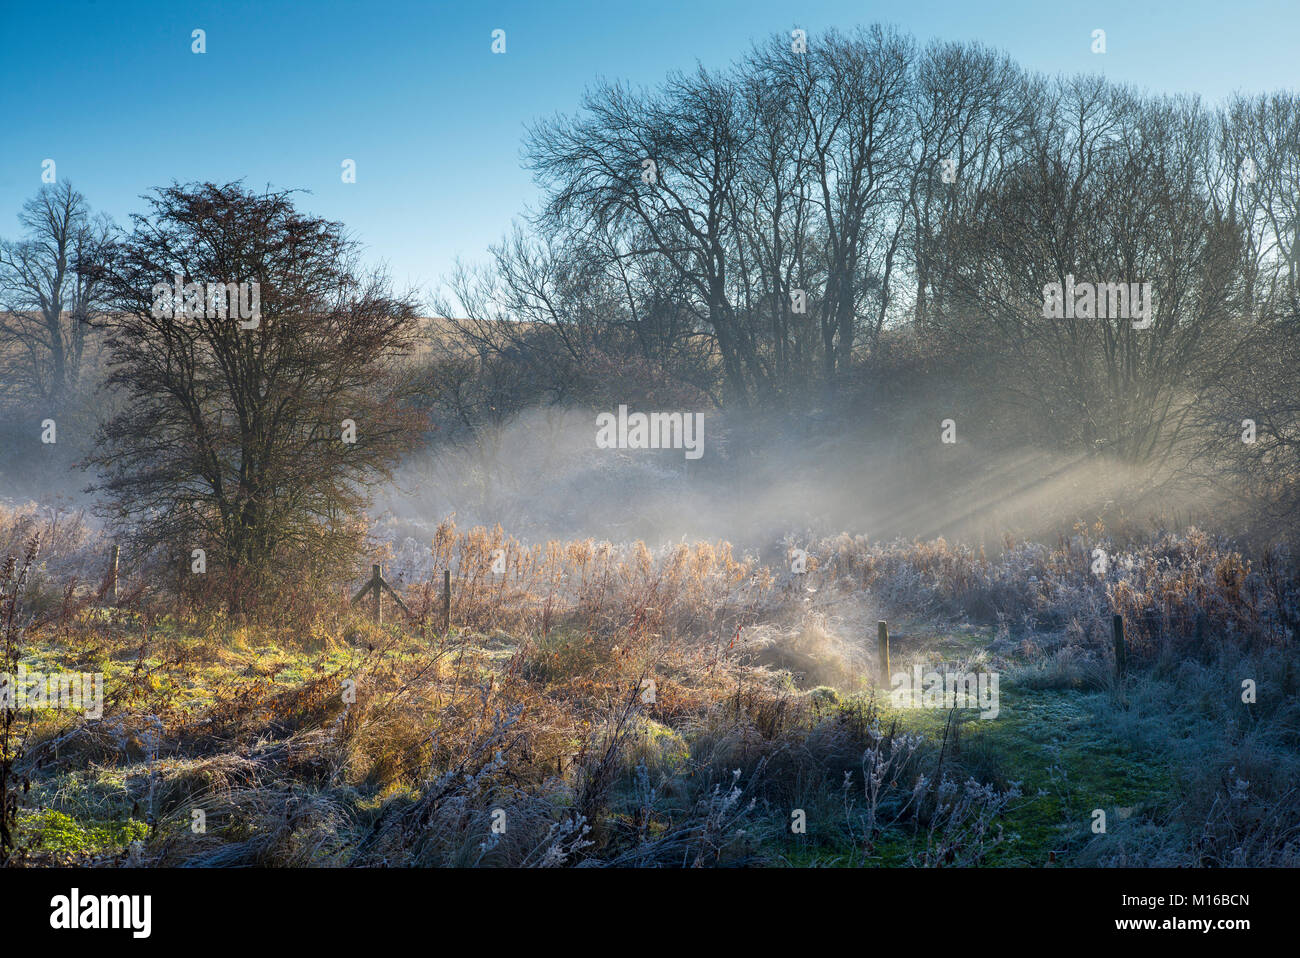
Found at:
(343, 907)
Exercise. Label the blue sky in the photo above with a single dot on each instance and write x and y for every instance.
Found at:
(412, 92)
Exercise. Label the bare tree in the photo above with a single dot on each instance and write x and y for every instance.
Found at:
(660, 169)
(48, 293)
(1248, 414)
(1110, 191)
(973, 107)
(852, 94)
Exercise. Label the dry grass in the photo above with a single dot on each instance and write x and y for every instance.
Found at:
(526, 737)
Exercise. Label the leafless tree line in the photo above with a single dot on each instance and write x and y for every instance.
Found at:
(761, 235)
(925, 192)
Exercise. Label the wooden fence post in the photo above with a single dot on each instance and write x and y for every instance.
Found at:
(882, 652)
(1121, 650)
(378, 586)
(446, 601)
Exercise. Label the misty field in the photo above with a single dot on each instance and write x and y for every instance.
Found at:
(596, 704)
(858, 450)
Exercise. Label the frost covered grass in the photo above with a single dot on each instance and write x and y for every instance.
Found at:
(598, 704)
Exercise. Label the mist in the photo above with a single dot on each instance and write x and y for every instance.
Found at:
(542, 477)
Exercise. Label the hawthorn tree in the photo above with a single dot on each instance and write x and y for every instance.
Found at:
(256, 440)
